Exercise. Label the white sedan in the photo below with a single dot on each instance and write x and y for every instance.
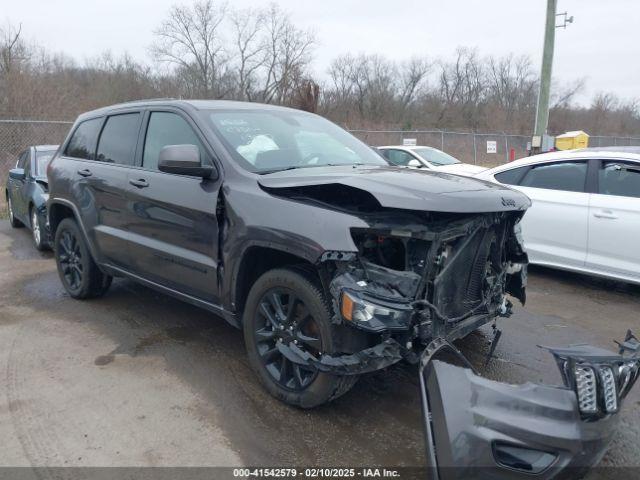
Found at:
(585, 215)
(427, 157)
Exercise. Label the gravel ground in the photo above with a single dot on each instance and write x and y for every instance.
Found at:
(140, 379)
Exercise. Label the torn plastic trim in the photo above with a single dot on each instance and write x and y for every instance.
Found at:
(368, 360)
(479, 428)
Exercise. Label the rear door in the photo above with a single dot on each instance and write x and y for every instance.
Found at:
(102, 151)
(555, 227)
(614, 219)
(174, 230)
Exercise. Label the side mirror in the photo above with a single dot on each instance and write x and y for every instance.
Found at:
(184, 160)
(17, 173)
(414, 163)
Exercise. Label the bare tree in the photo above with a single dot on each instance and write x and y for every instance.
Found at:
(412, 75)
(190, 39)
(12, 49)
(247, 26)
(288, 52)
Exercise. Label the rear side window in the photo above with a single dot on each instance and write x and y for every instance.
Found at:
(511, 177)
(565, 176)
(166, 128)
(118, 139)
(398, 157)
(83, 141)
(620, 179)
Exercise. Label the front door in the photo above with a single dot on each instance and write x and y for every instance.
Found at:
(555, 227)
(174, 231)
(614, 220)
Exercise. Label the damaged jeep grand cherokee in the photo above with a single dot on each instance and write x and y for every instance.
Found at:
(332, 262)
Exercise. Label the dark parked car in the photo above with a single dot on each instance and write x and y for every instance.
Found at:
(27, 192)
(333, 263)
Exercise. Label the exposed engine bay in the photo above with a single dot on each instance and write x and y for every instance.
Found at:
(418, 276)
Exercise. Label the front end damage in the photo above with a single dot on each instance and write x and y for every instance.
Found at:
(478, 428)
(417, 277)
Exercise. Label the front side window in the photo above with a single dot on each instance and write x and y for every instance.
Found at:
(83, 141)
(43, 158)
(398, 157)
(166, 128)
(436, 157)
(565, 176)
(619, 178)
(264, 141)
(118, 139)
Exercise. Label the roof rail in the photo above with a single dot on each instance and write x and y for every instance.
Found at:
(149, 100)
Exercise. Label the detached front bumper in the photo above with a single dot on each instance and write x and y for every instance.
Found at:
(479, 428)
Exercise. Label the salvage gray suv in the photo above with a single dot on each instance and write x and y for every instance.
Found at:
(332, 262)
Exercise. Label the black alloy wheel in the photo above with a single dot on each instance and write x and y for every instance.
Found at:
(284, 319)
(70, 259)
(79, 274)
(286, 309)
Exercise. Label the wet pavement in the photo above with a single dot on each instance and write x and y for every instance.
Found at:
(138, 378)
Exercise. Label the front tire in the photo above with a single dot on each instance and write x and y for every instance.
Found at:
(287, 306)
(78, 273)
(38, 231)
(15, 223)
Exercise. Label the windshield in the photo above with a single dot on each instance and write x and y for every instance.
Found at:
(42, 160)
(436, 157)
(265, 141)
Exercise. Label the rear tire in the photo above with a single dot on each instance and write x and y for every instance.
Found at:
(15, 223)
(267, 320)
(78, 273)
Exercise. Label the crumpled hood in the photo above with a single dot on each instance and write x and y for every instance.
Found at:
(409, 189)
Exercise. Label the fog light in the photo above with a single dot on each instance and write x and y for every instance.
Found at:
(524, 459)
(609, 390)
(586, 389)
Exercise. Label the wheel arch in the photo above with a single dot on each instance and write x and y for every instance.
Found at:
(57, 212)
(255, 261)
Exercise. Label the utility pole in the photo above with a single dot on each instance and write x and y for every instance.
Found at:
(542, 112)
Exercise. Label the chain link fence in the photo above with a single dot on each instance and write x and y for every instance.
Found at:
(17, 135)
(485, 149)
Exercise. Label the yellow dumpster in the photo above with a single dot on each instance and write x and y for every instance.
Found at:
(571, 140)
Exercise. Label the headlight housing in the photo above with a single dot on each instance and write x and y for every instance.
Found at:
(378, 316)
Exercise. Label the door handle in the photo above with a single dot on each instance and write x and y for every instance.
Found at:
(605, 214)
(85, 173)
(140, 183)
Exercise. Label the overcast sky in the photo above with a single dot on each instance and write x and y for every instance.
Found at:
(603, 44)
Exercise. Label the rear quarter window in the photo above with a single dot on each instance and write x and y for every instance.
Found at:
(512, 176)
(82, 143)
